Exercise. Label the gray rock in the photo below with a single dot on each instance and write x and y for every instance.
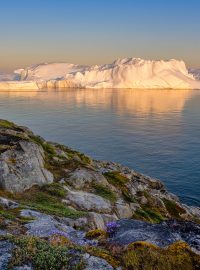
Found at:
(88, 201)
(82, 177)
(3, 232)
(23, 267)
(5, 203)
(95, 263)
(22, 167)
(161, 234)
(5, 254)
(79, 223)
(123, 210)
(46, 225)
(143, 200)
(134, 207)
(99, 221)
(195, 211)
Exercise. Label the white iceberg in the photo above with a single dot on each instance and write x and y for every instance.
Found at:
(122, 73)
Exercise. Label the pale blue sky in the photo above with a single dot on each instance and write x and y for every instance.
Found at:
(97, 31)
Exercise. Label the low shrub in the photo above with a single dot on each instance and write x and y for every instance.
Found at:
(145, 256)
(96, 234)
(42, 255)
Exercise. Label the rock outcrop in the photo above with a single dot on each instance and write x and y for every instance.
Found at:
(53, 199)
(21, 161)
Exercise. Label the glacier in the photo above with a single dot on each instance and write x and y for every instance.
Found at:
(122, 73)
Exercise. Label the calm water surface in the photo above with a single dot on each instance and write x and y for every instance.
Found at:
(156, 132)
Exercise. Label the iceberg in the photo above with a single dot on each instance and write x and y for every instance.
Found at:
(134, 73)
(18, 85)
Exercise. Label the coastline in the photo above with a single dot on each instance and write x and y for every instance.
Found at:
(54, 197)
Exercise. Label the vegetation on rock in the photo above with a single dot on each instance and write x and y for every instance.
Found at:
(104, 192)
(144, 256)
(43, 255)
(99, 234)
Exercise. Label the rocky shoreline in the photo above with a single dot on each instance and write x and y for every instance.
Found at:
(90, 214)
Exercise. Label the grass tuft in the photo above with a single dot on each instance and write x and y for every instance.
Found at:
(104, 192)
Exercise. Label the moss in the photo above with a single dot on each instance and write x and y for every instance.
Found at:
(56, 168)
(37, 139)
(173, 208)
(42, 255)
(48, 148)
(59, 240)
(7, 215)
(178, 246)
(119, 181)
(4, 148)
(72, 153)
(176, 257)
(97, 233)
(84, 159)
(104, 192)
(3, 224)
(104, 254)
(6, 124)
(48, 204)
(147, 214)
(128, 197)
(141, 244)
(54, 189)
(116, 179)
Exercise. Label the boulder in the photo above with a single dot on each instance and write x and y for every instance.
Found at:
(8, 204)
(22, 167)
(88, 201)
(81, 177)
(45, 225)
(123, 209)
(99, 221)
(5, 254)
(161, 234)
(95, 263)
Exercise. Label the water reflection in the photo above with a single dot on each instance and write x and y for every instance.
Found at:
(122, 101)
(153, 131)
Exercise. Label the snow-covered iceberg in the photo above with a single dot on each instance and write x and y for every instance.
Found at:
(136, 73)
(122, 73)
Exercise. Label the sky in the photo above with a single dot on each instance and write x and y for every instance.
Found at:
(97, 31)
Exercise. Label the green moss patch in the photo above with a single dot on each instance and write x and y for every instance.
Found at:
(149, 215)
(174, 209)
(116, 179)
(120, 181)
(104, 192)
(6, 124)
(54, 189)
(44, 202)
(48, 148)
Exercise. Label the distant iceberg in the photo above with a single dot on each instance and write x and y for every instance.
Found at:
(122, 73)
